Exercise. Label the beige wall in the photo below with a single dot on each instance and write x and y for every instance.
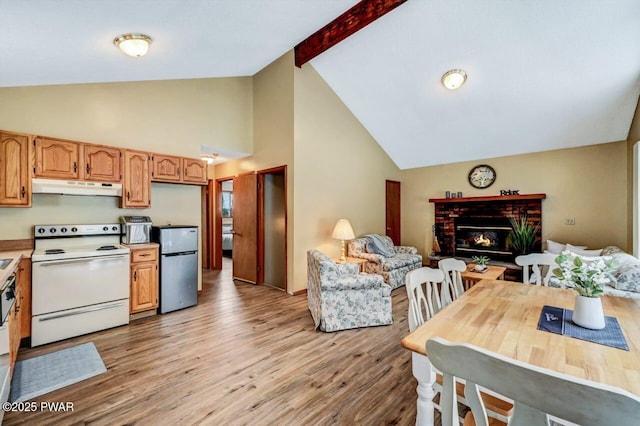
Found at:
(340, 171)
(587, 183)
(170, 117)
(273, 134)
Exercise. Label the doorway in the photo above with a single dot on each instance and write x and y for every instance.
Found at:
(272, 232)
(251, 214)
(392, 197)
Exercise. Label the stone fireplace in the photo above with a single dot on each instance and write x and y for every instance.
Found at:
(479, 226)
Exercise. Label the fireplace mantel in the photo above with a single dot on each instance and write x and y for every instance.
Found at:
(489, 198)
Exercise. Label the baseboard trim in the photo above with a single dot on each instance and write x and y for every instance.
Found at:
(299, 292)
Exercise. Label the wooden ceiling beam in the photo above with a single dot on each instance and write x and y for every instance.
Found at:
(353, 20)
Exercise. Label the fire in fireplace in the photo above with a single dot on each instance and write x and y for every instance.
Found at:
(483, 236)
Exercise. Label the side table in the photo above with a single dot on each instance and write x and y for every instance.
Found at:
(360, 262)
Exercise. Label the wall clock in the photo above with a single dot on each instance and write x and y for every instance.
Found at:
(482, 176)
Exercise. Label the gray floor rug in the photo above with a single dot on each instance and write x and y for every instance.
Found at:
(37, 376)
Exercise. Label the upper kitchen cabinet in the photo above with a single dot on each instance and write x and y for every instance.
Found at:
(15, 179)
(102, 163)
(166, 168)
(195, 171)
(56, 159)
(136, 192)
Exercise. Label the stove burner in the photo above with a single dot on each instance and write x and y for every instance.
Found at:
(111, 247)
(53, 251)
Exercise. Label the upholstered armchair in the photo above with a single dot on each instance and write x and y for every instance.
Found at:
(383, 258)
(340, 297)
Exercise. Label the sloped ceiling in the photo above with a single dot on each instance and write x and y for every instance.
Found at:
(543, 74)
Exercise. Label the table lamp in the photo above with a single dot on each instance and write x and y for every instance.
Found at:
(343, 231)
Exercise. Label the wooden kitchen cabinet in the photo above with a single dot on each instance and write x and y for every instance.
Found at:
(56, 159)
(144, 278)
(194, 171)
(136, 192)
(15, 177)
(101, 163)
(23, 297)
(166, 168)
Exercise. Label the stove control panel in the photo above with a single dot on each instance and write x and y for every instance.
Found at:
(57, 231)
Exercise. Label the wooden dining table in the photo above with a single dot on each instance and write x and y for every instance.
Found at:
(502, 317)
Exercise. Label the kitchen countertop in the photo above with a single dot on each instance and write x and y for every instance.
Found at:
(141, 246)
(16, 256)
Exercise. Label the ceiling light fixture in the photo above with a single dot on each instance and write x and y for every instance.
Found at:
(133, 44)
(453, 79)
(209, 158)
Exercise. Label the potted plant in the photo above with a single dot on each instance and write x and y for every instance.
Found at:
(480, 262)
(523, 235)
(588, 280)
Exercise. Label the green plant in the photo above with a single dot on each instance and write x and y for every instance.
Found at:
(480, 260)
(523, 235)
(587, 278)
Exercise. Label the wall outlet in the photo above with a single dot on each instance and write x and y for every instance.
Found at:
(570, 221)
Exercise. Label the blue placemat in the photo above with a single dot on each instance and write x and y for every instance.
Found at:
(559, 321)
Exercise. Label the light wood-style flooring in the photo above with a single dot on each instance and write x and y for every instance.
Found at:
(245, 355)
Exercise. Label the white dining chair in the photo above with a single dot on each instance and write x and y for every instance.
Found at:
(537, 392)
(453, 287)
(423, 305)
(541, 265)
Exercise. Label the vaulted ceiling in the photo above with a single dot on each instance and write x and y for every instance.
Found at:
(542, 74)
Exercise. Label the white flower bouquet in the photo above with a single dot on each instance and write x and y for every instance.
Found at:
(588, 278)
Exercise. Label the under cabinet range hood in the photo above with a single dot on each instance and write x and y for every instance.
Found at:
(70, 187)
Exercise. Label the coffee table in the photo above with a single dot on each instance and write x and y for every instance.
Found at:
(470, 277)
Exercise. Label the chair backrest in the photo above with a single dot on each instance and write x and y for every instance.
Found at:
(541, 264)
(453, 286)
(535, 391)
(423, 304)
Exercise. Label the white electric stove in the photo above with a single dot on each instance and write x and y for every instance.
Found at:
(80, 281)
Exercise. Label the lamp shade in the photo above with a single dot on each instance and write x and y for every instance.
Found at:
(343, 230)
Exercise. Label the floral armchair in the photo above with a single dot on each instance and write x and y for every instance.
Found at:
(383, 258)
(340, 297)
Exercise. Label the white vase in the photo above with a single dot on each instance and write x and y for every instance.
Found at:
(588, 312)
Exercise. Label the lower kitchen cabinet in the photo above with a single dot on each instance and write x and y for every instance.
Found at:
(144, 277)
(23, 297)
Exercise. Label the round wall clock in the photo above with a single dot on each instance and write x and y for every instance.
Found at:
(482, 176)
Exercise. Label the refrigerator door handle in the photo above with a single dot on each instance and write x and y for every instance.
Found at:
(182, 253)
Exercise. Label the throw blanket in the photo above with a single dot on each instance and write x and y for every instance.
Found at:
(379, 245)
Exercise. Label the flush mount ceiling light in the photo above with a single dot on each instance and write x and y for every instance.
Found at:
(209, 158)
(453, 79)
(133, 44)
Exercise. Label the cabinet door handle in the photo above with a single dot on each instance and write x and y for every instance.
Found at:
(135, 275)
(185, 172)
(75, 167)
(88, 168)
(128, 195)
(23, 192)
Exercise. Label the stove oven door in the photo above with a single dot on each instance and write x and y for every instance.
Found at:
(72, 283)
(71, 297)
